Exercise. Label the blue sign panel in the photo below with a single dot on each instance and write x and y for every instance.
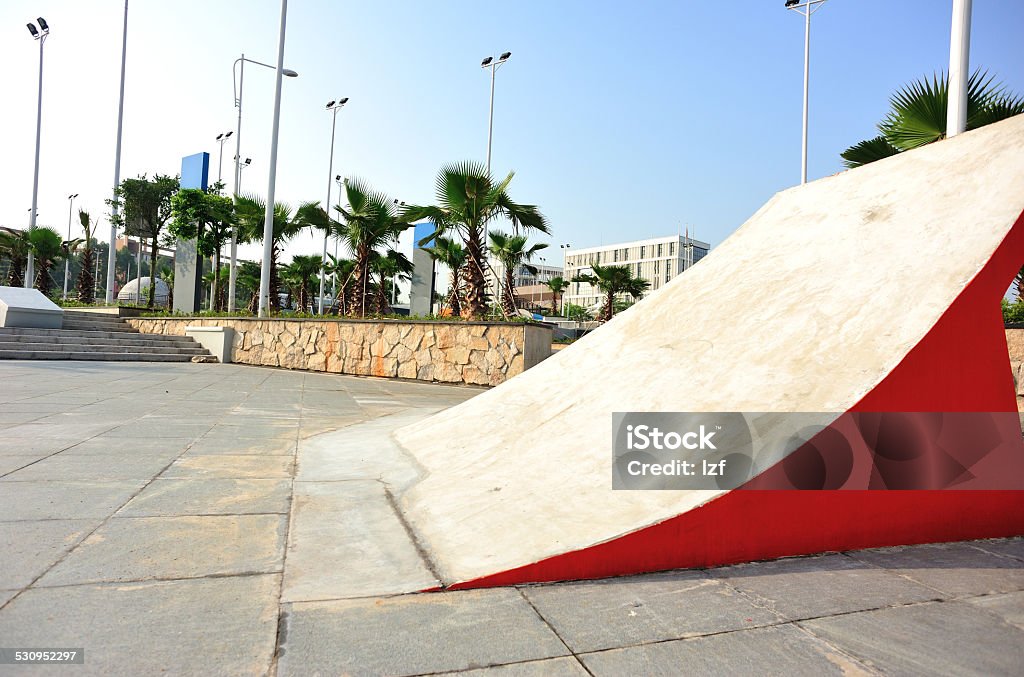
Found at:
(195, 171)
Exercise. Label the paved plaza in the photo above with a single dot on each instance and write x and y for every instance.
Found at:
(228, 520)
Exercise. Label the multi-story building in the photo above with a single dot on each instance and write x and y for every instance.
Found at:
(658, 260)
(523, 276)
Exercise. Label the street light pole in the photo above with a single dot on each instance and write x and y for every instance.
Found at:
(67, 259)
(111, 259)
(334, 107)
(493, 65)
(268, 221)
(806, 9)
(221, 140)
(39, 34)
(959, 65)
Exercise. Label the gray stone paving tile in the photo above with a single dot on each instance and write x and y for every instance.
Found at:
(219, 626)
(807, 587)
(1007, 605)
(11, 445)
(169, 497)
(55, 430)
(9, 419)
(346, 541)
(954, 568)
(27, 549)
(617, 612)
(245, 446)
(414, 634)
(71, 467)
(551, 667)
(250, 432)
(231, 466)
(7, 595)
(781, 650)
(103, 445)
(1010, 547)
(934, 638)
(135, 549)
(12, 463)
(154, 429)
(61, 500)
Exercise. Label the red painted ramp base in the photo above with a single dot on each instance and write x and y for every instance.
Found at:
(961, 365)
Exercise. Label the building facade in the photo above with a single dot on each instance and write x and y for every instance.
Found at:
(523, 277)
(658, 260)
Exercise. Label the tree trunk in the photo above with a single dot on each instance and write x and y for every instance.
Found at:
(609, 307)
(86, 290)
(153, 251)
(216, 281)
(361, 274)
(476, 284)
(455, 302)
(274, 302)
(508, 300)
(43, 278)
(16, 276)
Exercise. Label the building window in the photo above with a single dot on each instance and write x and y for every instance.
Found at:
(659, 251)
(671, 248)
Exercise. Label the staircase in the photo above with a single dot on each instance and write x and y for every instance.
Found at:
(95, 336)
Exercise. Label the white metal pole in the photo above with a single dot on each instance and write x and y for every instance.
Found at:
(29, 272)
(233, 271)
(490, 121)
(67, 259)
(268, 223)
(138, 269)
(327, 208)
(111, 259)
(959, 67)
(807, 62)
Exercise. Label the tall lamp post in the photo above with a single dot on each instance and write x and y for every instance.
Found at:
(334, 107)
(238, 78)
(334, 281)
(493, 65)
(565, 268)
(806, 8)
(39, 34)
(111, 258)
(67, 259)
(959, 65)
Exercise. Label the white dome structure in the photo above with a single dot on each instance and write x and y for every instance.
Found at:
(130, 292)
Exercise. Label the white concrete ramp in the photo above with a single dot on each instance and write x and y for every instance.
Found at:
(808, 307)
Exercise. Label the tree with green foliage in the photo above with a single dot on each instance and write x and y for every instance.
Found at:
(369, 222)
(247, 281)
(342, 272)
(917, 116)
(145, 208)
(512, 252)
(16, 246)
(47, 246)
(209, 219)
(251, 211)
(468, 199)
(557, 285)
(300, 276)
(86, 276)
(612, 281)
(389, 268)
(578, 313)
(453, 255)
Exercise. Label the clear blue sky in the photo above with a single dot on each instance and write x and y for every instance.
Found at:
(622, 120)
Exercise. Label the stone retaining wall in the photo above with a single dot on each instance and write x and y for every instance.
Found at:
(450, 352)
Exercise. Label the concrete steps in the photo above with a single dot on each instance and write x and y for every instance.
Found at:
(95, 336)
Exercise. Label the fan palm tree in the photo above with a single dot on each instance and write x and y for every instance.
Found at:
(47, 246)
(16, 246)
(342, 272)
(511, 251)
(467, 200)
(86, 279)
(612, 281)
(917, 116)
(389, 267)
(370, 222)
(250, 211)
(300, 275)
(247, 279)
(557, 285)
(452, 254)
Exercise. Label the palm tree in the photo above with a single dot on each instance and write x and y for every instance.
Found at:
(342, 272)
(86, 279)
(17, 246)
(47, 246)
(167, 275)
(467, 200)
(370, 222)
(389, 267)
(557, 285)
(247, 279)
(300, 275)
(917, 116)
(614, 280)
(511, 251)
(453, 255)
(287, 224)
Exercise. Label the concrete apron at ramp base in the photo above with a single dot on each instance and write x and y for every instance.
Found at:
(346, 538)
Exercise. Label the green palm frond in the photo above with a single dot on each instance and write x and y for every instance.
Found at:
(868, 151)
